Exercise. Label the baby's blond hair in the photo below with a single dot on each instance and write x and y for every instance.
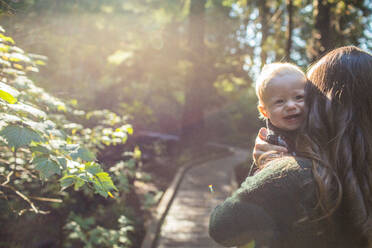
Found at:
(272, 71)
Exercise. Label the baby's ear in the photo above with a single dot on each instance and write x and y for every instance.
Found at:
(262, 110)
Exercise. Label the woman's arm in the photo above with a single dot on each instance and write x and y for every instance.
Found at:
(236, 223)
(264, 207)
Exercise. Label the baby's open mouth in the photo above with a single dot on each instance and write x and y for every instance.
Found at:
(291, 117)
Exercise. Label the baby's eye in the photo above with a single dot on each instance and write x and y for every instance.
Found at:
(279, 101)
(299, 97)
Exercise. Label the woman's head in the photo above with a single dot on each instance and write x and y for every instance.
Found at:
(339, 126)
(344, 77)
(338, 96)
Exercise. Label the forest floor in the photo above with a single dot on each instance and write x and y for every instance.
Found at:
(201, 188)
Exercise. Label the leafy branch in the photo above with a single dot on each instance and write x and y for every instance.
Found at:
(37, 135)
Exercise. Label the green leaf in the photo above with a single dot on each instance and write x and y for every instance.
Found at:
(119, 134)
(129, 129)
(37, 126)
(46, 166)
(41, 148)
(5, 63)
(4, 48)
(12, 72)
(37, 56)
(40, 62)
(18, 136)
(16, 49)
(62, 161)
(7, 97)
(131, 164)
(10, 118)
(73, 126)
(57, 144)
(71, 147)
(78, 183)
(93, 168)
(83, 153)
(27, 109)
(8, 93)
(67, 181)
(103, 183)
(61, 107)
(18, 57)
(32, 68)
(56, 133)
(137, 153)
(7, 39)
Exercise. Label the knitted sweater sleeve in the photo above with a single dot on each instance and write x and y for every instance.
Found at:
(265, 206)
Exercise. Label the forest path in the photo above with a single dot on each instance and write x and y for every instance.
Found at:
(186, 223)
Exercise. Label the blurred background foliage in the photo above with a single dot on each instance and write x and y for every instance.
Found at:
(169, 64)
(183, 67)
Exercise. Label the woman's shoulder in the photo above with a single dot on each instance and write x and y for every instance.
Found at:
(270, 201)
(287, 178)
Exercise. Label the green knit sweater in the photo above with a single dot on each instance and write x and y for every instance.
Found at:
(276, 208)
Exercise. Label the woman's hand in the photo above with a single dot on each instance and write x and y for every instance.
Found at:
(261, 146)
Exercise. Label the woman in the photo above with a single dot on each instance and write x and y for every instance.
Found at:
(324, 200)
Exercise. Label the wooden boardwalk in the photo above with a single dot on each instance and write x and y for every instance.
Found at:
(186, 224)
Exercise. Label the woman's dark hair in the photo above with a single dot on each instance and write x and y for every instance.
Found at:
(339, 128)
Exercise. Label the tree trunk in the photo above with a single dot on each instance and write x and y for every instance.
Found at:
(322, 32)
(289, 30)
(264, 17)
(195, 99)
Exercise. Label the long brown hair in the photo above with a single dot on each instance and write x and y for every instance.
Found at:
(339, 128)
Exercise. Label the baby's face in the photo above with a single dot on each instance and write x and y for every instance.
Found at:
(283, 102)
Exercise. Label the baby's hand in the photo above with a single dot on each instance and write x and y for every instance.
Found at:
(261, 146)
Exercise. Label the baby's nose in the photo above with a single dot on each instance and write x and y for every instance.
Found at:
(291, 105)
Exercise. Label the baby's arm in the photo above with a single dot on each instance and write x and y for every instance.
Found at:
(261, 145)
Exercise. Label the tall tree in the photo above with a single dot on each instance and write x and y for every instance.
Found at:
(289, 29)
(336, 23)
(195, 99)
(322, 31)
(264, 12)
